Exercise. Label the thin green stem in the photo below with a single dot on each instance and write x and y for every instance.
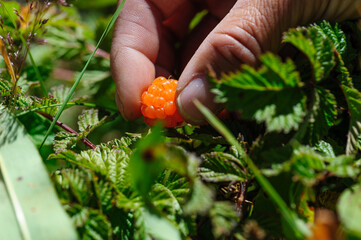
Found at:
(106, 31)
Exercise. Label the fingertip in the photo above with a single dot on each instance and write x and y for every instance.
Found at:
(124, 110)
(197, 89)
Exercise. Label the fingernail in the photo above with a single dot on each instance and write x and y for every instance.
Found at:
(196, 89)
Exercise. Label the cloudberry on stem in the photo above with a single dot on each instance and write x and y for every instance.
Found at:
(158, 103)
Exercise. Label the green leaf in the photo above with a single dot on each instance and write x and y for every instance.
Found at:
(64, 141)
(147, 161)
(326, 149)
(221, 167)
(335, 34)
(78, 182)
(88, 119)
(159, 228)
(30, 193)
(273, 94)
(316, 46)
(201, 199)
(323, 115)
(91, 223)
(343, 166)
(110, 159)
(353, 98)
(104, 191)
(341, 41)
(60, 93)
(349, 211)
(307, 165)
(5, 88)
(224, 218)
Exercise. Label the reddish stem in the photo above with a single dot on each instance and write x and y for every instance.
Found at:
(67, 128)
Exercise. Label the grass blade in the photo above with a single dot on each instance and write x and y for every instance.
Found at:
(288, 215)
(106, 31)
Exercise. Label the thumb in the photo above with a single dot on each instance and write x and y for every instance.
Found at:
(248, 30)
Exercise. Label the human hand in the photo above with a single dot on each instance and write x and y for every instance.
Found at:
(233, 33)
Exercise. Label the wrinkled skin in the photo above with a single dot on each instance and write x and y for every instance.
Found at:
(233, 33)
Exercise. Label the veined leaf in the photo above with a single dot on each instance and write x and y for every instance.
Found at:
(64, 141)
(353, 98)
(30, 191)
(112, 163)
(221, 167)
(91, 223)
(340, 40)
(273, 94)
(60, 93)
(336, 35)
(78, 182)
(307, 165)
(89, 119)
(323, 115)
(343, 166)
(317, 47)
(5, 88)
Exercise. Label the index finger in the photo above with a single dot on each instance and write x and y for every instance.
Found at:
(135, 49)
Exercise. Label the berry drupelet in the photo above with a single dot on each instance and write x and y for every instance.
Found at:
(158, 103)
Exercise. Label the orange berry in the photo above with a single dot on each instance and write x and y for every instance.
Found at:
(147, 98)
(170, 108)
(169, 94)
(149, 112)
(158, 102)
(159, 113)
(159, 80)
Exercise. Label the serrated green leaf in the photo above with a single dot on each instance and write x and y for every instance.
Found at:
(59, 93)
(88, 119)
(273, 94)
(316, 46)
(109, 160)
(343, 166)
(326, 149)
(349, 211)
(5, 88)
(64, 141)
(323, 115)
(221, 167)
(78, 183)
(307, 165)
(336, 35)
(91, 223)
(105, 194)
(51, 110)
(353, 98)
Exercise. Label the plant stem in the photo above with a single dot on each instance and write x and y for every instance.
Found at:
(67, 128)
